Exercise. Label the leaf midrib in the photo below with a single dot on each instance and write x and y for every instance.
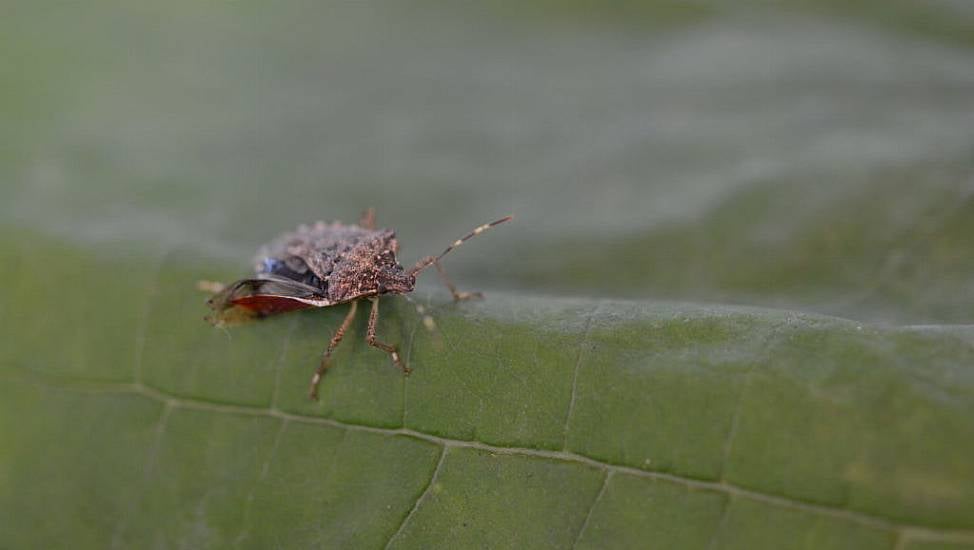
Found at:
(903, 531)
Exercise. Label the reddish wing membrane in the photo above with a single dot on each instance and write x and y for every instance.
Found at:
(270, 305)
(262, 297)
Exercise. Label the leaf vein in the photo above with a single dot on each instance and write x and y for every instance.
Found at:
(591, 508)
(285, 347)
(854, 516)
(719, 529)
(728, 446)
(420, 498)
(151, 456)
(578, 364)
(264, 469)
(143, 322)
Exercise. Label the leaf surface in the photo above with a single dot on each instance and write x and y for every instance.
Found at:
(811, 157)
(538, 421)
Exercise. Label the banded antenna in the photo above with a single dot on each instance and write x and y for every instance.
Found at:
(430, 260)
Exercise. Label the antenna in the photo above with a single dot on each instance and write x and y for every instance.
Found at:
(430, 260)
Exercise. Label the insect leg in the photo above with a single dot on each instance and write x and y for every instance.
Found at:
(457, 295)
(435, 260)
(370, 339)
(326, 357)
(367, 221)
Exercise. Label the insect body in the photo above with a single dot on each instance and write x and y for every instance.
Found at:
(325, 265)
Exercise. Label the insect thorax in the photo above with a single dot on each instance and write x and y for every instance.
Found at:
(343, 262)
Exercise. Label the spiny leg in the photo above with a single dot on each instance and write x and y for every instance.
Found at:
(435, 261)
(457, 295)
(326, 357)
(367, 221)
(370, 339)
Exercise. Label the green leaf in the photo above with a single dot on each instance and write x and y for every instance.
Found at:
(811, 157)
(527, 421)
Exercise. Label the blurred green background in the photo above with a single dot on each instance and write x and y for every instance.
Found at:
(811, 155)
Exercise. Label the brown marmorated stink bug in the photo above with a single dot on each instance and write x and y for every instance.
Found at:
(325, 265)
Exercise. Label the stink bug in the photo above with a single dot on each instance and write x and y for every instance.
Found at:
(325, 265)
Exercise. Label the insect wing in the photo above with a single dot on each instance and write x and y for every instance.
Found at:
(262, 297)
